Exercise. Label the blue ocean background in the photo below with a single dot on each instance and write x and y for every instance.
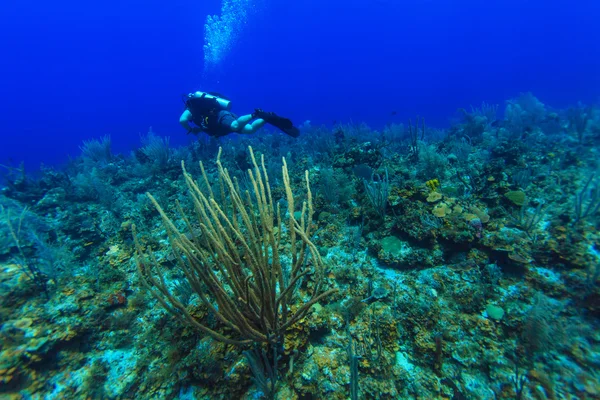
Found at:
(74, 71)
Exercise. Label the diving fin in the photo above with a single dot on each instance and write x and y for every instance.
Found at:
(282, 123)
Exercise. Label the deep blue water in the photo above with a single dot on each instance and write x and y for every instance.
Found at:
(73, 70)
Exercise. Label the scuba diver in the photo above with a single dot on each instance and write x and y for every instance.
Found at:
(210, 113)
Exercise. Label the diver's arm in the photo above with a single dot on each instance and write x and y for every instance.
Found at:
(185, 119)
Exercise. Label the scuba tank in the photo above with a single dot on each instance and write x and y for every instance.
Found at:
(223, 103)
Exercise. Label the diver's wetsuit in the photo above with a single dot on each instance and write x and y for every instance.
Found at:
(221, 124)
(210, 116)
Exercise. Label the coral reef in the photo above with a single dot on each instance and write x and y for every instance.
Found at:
(458, 263)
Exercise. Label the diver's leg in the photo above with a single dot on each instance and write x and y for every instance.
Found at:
(239, 124)
(254, 126)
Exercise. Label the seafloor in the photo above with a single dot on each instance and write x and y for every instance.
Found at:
(418, 263)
